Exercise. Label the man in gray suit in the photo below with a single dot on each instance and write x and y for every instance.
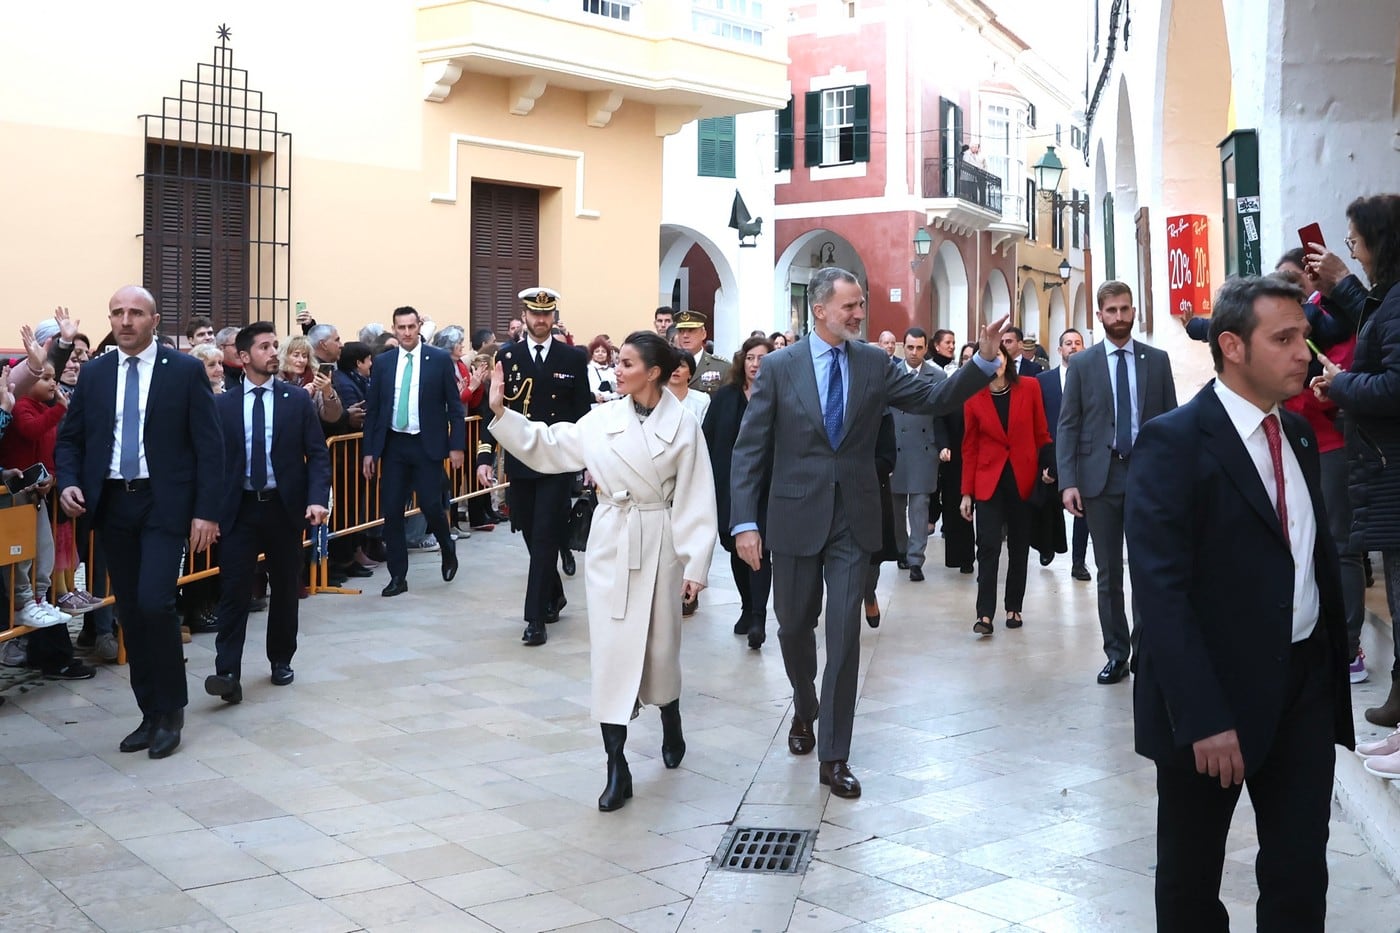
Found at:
(1117, 386)
(811, 427)
(921, 441)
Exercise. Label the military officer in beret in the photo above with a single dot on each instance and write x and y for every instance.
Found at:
(546, 380)
(692, 330)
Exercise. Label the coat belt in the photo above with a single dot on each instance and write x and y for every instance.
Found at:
(630, 507)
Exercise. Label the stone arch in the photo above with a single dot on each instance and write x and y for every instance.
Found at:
(808, 252)
(996, 296)
(1125, 194)
(1028, 308)
(1081, 308)
(1059, 318)
(1195, 116)
(676, 242)
(949, 286)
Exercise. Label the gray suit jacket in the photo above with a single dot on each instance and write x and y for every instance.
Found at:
(1084, 436)
(783, 436)
(918, 439)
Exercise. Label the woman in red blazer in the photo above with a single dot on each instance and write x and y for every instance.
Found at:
(1006, 452)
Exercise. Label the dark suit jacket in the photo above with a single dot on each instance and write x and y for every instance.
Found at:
(558, 392)
(721, 427)
(1025, 367)
(1213, 577)
(300, 462)
(784, 437)
(184, 452)
(988, 447)
(441, 419)
(1084, 436)
(1050, 395)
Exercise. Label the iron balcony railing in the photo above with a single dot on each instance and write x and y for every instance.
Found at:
(956, 178)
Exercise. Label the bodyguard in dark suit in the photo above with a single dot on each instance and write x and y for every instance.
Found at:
(1052, 384)
(141, 453)
(279, 477)
(1242, 659)
(811, 426)
(1114, 388)
(546, 381)
(414, 420)
(1014, 341)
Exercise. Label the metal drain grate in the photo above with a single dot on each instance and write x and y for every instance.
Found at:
(765, 851)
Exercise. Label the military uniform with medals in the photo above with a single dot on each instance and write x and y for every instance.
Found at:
(548, 390)
(710, 370)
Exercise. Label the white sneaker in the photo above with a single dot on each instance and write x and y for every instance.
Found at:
(429, 543)
(1386, 766)
(54, 615)
(37, 615)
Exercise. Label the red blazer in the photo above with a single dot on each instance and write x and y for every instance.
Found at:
(987, 447)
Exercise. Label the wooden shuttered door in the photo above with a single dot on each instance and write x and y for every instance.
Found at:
(195, 255)
(505, 252)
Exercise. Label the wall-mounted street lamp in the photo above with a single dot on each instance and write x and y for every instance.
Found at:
(1048, 171)
(1050, 284)
(922, 242)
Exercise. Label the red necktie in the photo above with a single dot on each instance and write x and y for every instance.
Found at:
(1271, 431)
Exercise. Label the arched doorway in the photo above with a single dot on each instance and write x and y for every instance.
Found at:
(949, 287)
(803, 256)
(692, 264)
(1081, 309)
(1028, 316)
(1195, 104)
(996, 299)
(1059, 318)
(1125, 197)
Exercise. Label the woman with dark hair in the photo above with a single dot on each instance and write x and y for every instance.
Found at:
(1006, 451)
(646, 545)
(726, 412)
(1369, 396)
(778, 339)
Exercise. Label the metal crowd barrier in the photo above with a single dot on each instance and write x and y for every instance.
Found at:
(355, 507)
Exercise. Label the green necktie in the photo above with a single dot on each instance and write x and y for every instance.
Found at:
(405, 386)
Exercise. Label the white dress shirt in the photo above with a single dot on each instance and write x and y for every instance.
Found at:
(530, 345)
(248, 399)
(413, 424)
(1302, 523)
(144, 370)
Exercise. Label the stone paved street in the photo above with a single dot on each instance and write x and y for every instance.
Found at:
(427, 772)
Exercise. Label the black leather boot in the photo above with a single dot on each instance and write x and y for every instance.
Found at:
(619, 786)
(672, 741)
(1388, 714)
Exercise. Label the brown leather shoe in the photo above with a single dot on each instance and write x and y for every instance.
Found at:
(837, 775)
(801, 741)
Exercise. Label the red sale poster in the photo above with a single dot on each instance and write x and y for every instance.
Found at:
(1188, 264)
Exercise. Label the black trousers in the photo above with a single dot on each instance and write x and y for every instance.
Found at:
(261, 527)
(959, 544)
(753, 585)
(1005, 509)
(407, 469)
(143, 563)
(539, 510)
(1292, 796)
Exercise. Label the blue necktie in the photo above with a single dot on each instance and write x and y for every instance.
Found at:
(835, 411)
(131, 421)
(1123, 417)
(257, 466)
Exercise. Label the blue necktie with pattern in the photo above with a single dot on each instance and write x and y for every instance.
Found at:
(834, 413)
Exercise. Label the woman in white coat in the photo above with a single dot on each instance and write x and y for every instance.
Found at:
(647, 544)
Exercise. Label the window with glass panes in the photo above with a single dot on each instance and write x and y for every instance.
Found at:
(838, 125)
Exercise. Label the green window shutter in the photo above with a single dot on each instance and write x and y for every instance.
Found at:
(860, 141)
(785, 137)
(812, 128)
(716, 147)
(1110, 265)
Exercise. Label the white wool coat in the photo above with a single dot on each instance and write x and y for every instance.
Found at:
(655, 527)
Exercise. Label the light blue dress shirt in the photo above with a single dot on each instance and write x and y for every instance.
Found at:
(1131, 349)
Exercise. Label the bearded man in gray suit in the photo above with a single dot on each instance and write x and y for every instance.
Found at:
(1111, 391)
(810, 427)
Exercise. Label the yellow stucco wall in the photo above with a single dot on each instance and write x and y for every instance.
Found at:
(369, 154)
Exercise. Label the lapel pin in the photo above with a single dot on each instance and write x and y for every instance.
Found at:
(164, 360)
(1303, 441)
